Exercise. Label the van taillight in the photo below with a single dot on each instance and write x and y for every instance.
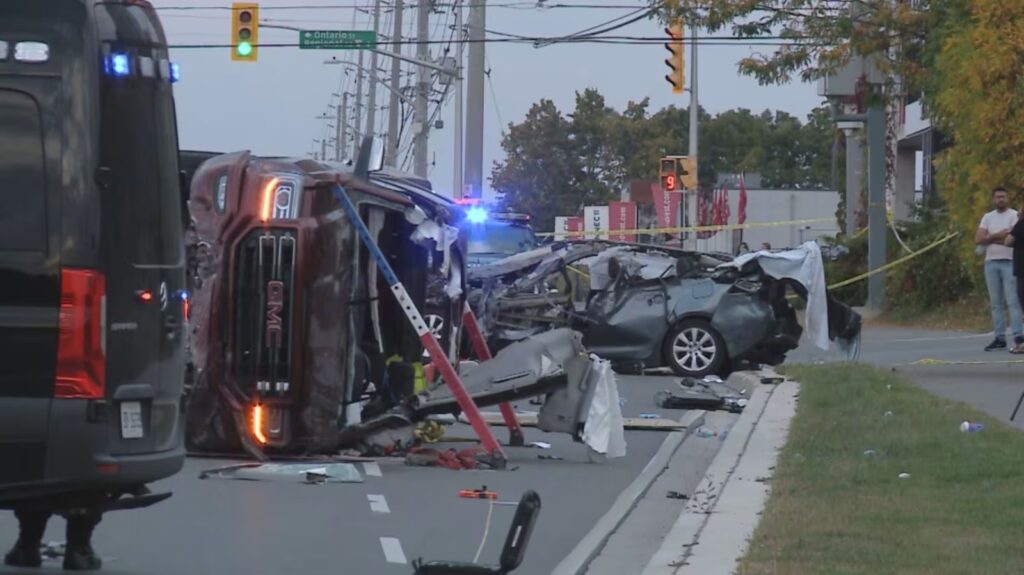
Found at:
(81, 350)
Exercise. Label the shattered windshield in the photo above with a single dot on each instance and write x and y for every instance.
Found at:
(499, 239)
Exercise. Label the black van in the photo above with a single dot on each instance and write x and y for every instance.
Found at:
(91, 255)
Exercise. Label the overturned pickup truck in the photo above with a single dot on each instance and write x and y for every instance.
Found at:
(299, 342)
(647, 307)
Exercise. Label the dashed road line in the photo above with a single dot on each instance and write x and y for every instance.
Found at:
(378, 504)
(393, 550)
(372, 469)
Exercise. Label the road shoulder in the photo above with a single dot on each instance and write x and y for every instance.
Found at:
(714, 529)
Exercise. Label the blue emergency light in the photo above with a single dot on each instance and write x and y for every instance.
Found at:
(119, 65)
(476, 215)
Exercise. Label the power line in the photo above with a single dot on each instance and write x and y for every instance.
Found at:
(622, 40)
(508, 5)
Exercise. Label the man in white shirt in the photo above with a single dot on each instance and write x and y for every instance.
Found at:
(1002, 286)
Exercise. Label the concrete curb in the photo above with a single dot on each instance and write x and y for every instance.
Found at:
(576, 562)
(713, 531)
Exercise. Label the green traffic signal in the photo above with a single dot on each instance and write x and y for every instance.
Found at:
(244, 49)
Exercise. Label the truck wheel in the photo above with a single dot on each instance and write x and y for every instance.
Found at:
(694, 349)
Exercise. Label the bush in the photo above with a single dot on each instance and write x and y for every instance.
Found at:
(934, 279)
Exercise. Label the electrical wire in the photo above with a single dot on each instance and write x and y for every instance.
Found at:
(614, 40)
(494, 94)
(507, 5)
(609, 26)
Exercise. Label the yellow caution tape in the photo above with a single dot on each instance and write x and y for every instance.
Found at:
(933, 361)
(579, 271)
(895, 263)
(680, 230)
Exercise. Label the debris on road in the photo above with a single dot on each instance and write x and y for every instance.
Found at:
(550, 457)
(529, 419)
(287, 472)
(541, 444)
(708, 401)
(469, 458)
(677, 495)
(481, 493)
(53, 549)
(705, 432)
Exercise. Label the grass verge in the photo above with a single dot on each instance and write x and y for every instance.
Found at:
(834, 510)
(968, 314)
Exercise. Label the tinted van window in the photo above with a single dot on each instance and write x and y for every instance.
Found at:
(22, 179)
(139, 145)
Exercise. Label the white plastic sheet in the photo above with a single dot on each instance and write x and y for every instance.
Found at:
(604, 430)
(804, 265)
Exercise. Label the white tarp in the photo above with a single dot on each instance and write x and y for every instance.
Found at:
(804, 265)
(604, 430)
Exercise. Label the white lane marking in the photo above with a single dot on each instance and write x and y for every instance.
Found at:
(372, 469)
(936, 338)
(392, 550)
(378, 504)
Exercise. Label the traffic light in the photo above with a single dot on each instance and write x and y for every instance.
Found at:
(675, 63)
(669, 175)
(245, 31)
(688, 172)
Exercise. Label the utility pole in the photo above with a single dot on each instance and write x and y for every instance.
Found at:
(394, 105)
(339, 142)
(694, 134)
(875, 121)
(474, 143)
(876, 204)
(694, 104)
(422, 89)
(323, 149)
(459, 111)
(371, 113)
(357, 136)
(854, 171)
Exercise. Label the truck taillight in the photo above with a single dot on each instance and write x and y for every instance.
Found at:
(81, 349)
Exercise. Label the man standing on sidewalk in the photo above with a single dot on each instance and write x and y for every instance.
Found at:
(1002, 286)
(1016, 241)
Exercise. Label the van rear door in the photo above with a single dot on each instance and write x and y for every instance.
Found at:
(30, 180)
(144, 252)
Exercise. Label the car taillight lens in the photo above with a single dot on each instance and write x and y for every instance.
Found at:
(81, 349)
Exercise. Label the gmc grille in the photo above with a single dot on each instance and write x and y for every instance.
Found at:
(264, 302)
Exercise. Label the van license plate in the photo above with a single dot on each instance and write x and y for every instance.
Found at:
(131, 420)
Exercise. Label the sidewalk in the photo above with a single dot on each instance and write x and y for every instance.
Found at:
(713, 529)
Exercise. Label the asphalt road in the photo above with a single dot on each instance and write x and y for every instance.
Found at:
(225, 526)
(229, 526)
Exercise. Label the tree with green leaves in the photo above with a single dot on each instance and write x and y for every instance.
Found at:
(555, 164)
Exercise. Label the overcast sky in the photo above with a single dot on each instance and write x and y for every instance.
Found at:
(271, 106)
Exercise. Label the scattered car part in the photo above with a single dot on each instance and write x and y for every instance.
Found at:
(512, 554)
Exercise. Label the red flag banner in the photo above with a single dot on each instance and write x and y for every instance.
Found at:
(726, 210)
(622, 216)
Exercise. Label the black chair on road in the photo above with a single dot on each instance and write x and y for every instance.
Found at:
(511, 555)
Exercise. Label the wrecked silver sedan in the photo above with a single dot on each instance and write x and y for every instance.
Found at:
(646, 307)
